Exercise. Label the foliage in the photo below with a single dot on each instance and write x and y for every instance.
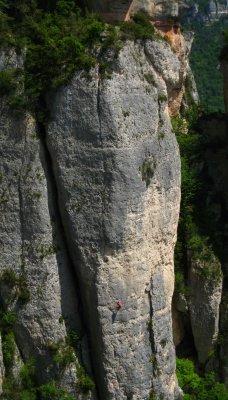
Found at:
(72, 338)
(196, 387)
(59, 39)
(8, 319)
(8, 277)
(27, 374)
(64, 356)
(7, 322)
(49, 391)
(84, 382)
(26, 389)
(196, 234)
(9, 80)
(8, 349)
(150, 78)
(204, 62)
(18, 282)
(139, 28)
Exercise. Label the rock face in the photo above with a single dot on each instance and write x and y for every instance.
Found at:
(118, 178)
(90, 207)
(35, 271)
(205, 288)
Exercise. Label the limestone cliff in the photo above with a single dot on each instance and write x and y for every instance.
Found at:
(90, 206)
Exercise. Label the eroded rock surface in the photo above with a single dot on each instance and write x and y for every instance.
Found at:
(205, 286)
(90, 207)
(36, 280)
(117, 170)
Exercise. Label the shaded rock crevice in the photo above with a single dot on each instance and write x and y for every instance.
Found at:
(70, 302)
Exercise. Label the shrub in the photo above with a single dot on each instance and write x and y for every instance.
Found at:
(8, 277)
(64, 356)
(150, 78)
(84, 382)
(72, 338)
(8, 349)
(27, 374)
(8, 319)
(140, 28)
(196, 387)
(49, 391)
(7, 83)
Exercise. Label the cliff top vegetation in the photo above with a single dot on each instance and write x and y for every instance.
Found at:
(59, 38)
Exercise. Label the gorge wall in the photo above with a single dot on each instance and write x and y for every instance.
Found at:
(90, 206)
(90, 202)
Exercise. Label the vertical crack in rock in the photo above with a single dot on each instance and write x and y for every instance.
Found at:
(69, 308)
(20, 197)
(120, 226)
(150, 328)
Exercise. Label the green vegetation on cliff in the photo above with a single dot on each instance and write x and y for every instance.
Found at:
(205, 64)
(192, 229)
(59, 38)
(197, 387)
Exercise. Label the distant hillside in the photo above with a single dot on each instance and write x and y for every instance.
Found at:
(205, 64)
(208, 19)
(203, 11)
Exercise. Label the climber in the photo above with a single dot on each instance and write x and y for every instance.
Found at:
(119, 304)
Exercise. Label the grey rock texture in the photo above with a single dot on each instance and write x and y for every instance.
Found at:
(32, 244)
(90, 207)
(117, 171)
(204, 306)
(171, 63)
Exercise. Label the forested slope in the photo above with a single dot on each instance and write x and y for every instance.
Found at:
(204, 60)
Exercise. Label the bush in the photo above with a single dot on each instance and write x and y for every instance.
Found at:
(27, 374)
(8, 277)
(8, 319)
(192, 242)
(140, 28)
(8, 349)
(64, 356)
(7, 82)
(84, 382)
(49, 391)
(196, 387)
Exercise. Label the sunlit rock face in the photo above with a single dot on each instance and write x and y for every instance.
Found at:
(117, 169)
(90, 206)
